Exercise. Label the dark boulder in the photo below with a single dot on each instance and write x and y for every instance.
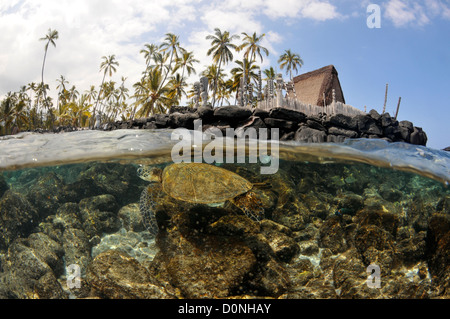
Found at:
(260, 113)
(315, 125)
(375, 115)
(288, 115)
(367, 125)
(232, 112)
(186, 120)
(205, 113)
(162, 120)
(418, 137)
(342, 121)
(309, 135)
(282, 124)
(342, 132)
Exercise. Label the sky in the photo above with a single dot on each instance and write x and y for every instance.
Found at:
(409, 49)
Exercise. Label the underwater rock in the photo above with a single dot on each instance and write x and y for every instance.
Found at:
(131, 218)
(138, 245)
(350, 277)
(439, 252)
(27, 275)
(48, 250)
(308, 247)
(99, 215)
(18, 218)
(67, 216)
(121, 181)
(206, 253)
(349, 203)
(77, 248)
(115, 275)
(47, 194)
(3, 186)
(290, 211)
(411, 246)
(332, 235)
(280, 240)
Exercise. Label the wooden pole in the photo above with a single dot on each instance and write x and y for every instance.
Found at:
(398, 107)
(385, 98)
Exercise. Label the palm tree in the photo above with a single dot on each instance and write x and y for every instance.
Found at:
(252, 46)
(149, 53)
(177, 91)
(221, 45)
(171, 44)
(291, 61)
(73, 93)
(91, 93)
(6, 112)
(251, 73)
(150, 95)
(51, 36)
(186, 61)
(62, 83)
(108, 65)
(270, 74)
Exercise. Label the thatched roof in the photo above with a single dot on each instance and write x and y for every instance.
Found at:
(311, 86)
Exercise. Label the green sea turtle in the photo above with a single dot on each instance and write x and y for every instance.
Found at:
(196, 183)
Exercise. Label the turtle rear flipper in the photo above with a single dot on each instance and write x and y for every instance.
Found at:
(147, 205)
(251, 205)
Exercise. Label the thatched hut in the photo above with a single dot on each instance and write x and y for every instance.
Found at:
(310, 87)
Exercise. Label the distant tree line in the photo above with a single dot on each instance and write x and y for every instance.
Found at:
(163, 84)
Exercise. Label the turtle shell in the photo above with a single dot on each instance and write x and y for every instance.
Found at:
(202, 183)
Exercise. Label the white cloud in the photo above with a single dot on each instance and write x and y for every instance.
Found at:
(419, 13)
(90, 29)
(312, 9)
(320, 11)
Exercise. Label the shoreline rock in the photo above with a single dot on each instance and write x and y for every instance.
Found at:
(334, 128)
(293, 125)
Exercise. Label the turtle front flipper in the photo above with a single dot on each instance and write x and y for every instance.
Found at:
(251, 205)
(147, 205)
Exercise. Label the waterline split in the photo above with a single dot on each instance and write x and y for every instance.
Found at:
(212, 147)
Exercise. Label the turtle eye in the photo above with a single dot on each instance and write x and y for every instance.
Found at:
(140, 171)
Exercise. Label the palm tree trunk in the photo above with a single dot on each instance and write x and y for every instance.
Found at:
(215, 82)
(168, 70)
(96, 103)
(42, 77)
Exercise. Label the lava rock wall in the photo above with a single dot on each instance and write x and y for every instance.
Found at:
(293, 125)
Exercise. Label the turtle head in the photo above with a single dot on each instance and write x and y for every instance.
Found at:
(150, 174)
